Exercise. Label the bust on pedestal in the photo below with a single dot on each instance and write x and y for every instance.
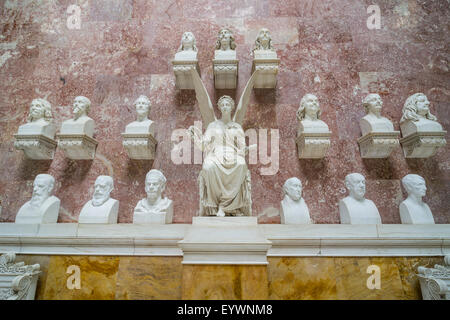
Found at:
(378, 136)
(355, 209)
(138, 138)
(154, 209)
(185, 59)
(102, 208)
(313, 135)
(36, 138)
(225, 61)
(43, 207)
(265, 60)
(76, 135)
(422, 134)
(413, 210)
(293, 207)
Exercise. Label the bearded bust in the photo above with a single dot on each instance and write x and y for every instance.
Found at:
(40, 120)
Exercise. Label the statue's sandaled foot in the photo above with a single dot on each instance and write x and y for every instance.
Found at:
(220, 212)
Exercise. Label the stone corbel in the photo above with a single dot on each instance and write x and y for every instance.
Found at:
(423, 144)
(36, 147)
(225, 73)
(268, 71)
(313, 145)
(77, 146)
(435, 282)
(139, 146)
(183, 77)
(378, 144)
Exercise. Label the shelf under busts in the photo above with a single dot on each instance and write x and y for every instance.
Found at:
(423, 144)
(225, 73)
(139, 146)
(268, 71)
(378, 144)
(183, 77)
(77, 146)
(36, 146)
(313, 145)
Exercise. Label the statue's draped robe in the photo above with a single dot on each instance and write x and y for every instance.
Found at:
(224, 179)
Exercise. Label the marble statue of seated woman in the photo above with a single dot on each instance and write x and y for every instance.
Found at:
(374, 121)
(142, 125)
(309, 115)
(40, 120)
(188, 48)
(81, 124)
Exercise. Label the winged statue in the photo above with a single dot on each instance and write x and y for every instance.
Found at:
(224, 181)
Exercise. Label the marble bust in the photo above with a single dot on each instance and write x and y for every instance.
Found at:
(417, 116)
(374, 121)
(142, 124)
(263, 45)
(413, 210)
(81, 124)
(43, 207)
(308, 115)
(154, 208)
(101, 208)
(40, 120)
(225, 45)
(293, 207)
(188, 48)
(356, 209)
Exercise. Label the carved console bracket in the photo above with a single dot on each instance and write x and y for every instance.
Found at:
(423, 144)
(267, 77)
(313, 145)
(77, 146)
(139, 146)
(36, 147)
(378, 144)
(183, 77)
(435, 282)
(225, 73)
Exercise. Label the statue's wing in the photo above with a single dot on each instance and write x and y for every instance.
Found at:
(204, 102)
(239, 115)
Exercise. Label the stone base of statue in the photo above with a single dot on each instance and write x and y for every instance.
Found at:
(183, 78)
(435, 282)
(225, 73)
(267, 77)
(423, 144)
(77, 146)
(36, 147)
(225, 240)
(313, 145)
(17, 280)
(378, 144)
(160, 217)
(139, 146)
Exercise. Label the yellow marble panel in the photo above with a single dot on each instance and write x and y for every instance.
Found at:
(149, 278)
(220, 282)
(305, 278)
(98, 278)
(43, 261)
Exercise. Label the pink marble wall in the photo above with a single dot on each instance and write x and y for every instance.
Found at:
(124, 49)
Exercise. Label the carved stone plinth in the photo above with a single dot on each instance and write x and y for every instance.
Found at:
(225, 73)
(423, 144)
(435, 282)
(183, 78)
(17, 281)
(36, 147)
(77, 146)
(378, 144)
(313, 145)
(268, 71)
(139, 146)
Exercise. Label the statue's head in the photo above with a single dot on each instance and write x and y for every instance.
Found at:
(42, 189)
(188, 42)
(417, 106)
(225, 40)
(155, 183)
(309, 108)
(373, 104)
(226, 104)
(264, 40)
(102, 190)
(356, 185)
(293, 188)
(142, 105)
(414, 185)
(81, 106)
(40, 109)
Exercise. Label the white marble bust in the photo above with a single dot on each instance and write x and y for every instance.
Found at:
(417, 116)
(40, 120)
(43, 207)
(81, 124)
(142, 124)
(374, 121)
(308, 115)
(355, 209)
(101, 208)
(225, 45)
(154, 208)
(413, 210)
(188, 48)
(263, 45)
(293, 207)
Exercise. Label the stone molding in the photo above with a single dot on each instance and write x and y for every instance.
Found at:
(423, 144)
(36, 147)
(139, 146)
(435, 282)
(77, 146)
(378, 144)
